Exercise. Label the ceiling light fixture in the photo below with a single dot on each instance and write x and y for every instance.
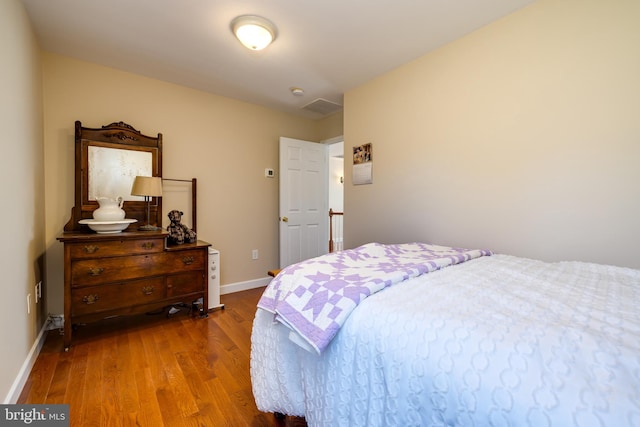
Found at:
(297, 91)
(255, 32)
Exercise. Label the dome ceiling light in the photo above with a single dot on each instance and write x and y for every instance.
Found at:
(254, 32)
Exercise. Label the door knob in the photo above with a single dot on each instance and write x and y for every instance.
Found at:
(285, 219)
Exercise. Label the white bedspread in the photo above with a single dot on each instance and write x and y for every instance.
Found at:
(315, 297)
(495, 341)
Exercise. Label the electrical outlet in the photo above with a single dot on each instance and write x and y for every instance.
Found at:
(38, 291)
(254, 254)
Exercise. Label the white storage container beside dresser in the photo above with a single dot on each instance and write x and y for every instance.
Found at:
(214, 279)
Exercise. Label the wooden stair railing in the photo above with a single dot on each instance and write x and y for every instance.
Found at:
(331, 215)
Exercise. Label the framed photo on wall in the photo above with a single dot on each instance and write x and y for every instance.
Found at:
(362, 164)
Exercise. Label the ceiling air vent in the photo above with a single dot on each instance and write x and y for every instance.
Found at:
(322, 106)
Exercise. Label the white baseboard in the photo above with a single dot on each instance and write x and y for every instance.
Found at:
(25, 370)
(243, 286)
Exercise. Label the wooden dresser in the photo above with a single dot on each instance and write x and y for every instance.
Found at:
(133, 272)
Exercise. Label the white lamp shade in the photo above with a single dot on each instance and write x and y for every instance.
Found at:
(254, 32)
(147, 186)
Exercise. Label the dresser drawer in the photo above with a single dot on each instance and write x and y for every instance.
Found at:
(88, 272)
(98, 271)
(93, 299)
(185, 283)
(115, 248)
(186, 260)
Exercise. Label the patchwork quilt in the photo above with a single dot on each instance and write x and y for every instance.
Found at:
(315, 297)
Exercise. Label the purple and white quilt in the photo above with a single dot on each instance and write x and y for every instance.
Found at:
(315, 297)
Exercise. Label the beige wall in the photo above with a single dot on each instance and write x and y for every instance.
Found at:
(22, 194)
(523, 137)
(331, 126)
(225, 144)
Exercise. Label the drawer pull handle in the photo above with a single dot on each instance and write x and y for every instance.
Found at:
(187, 260)
(96, 271)
(148, 290)
(148, 245)
(90, 299)
(90, 249)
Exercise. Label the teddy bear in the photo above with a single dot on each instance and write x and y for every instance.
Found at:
(178, 232)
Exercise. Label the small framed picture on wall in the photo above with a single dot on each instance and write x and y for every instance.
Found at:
(362, 164)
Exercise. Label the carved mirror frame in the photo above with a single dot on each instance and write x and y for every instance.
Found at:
(122, 142)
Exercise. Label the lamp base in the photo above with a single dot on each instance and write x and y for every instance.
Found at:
(149, 227)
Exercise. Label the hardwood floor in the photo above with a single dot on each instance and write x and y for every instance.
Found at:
(150, 370)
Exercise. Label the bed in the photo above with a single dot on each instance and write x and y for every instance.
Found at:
(437, 336)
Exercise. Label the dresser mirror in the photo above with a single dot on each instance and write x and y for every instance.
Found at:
(107, 160)
(111, 171)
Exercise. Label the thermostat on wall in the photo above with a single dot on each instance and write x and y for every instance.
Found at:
(269, 173)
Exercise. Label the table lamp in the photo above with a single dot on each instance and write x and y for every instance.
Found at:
(147, 186)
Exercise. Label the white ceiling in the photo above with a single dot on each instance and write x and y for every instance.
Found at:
(325, 47)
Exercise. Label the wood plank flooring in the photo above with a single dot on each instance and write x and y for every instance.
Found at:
(150, 370)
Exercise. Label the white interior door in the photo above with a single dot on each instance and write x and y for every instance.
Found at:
(304, 170)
